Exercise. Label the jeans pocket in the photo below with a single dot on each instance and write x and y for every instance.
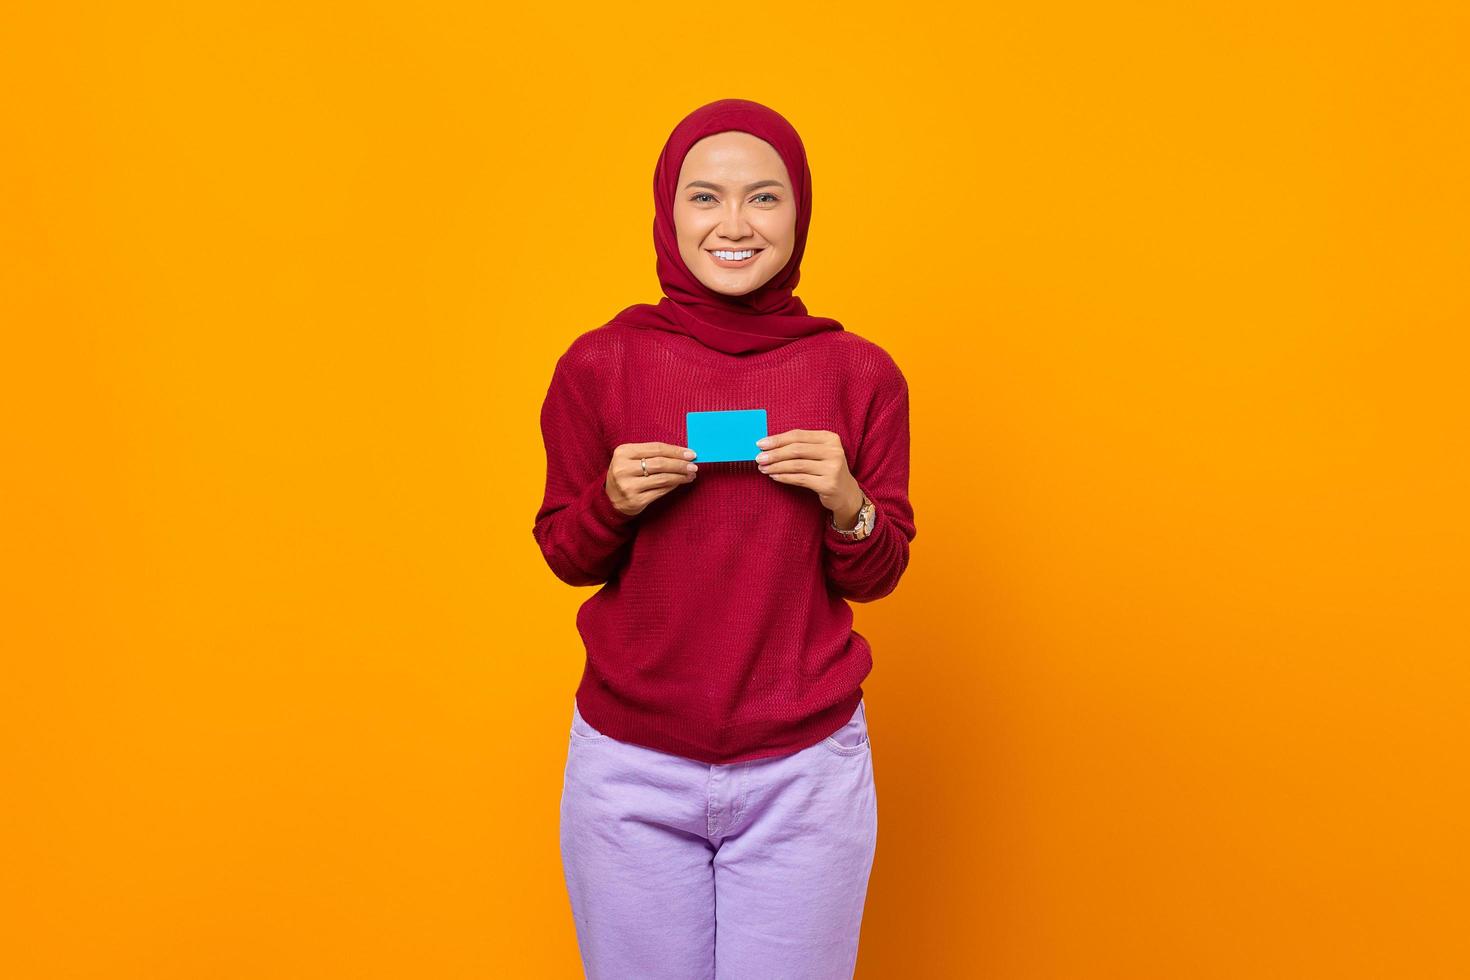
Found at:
(580, 729)
(851, 738)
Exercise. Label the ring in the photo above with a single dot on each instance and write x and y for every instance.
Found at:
(644, 464)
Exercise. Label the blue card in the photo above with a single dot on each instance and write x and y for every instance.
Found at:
(724, 437)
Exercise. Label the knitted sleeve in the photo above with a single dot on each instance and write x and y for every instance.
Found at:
(870, 569)
(582, 535)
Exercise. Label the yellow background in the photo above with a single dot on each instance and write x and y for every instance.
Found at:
(1175, 686)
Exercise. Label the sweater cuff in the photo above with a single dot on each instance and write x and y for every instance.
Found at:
(600, 506)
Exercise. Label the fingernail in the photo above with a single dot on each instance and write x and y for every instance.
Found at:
(688, 454)
(690, 467)
(762, 457)
(764, 443)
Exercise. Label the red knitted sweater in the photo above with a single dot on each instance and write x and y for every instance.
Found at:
(722, 630)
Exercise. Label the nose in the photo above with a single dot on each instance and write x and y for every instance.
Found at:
(733, 224)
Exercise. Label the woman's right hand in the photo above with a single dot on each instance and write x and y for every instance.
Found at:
(669, 466)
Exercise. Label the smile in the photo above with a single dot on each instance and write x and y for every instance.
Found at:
(734, 258)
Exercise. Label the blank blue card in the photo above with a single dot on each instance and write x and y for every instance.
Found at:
(724, 437)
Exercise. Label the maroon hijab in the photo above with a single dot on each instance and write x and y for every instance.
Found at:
(764, 318)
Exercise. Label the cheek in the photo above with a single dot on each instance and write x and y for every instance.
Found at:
(779, 254)
(689, 251)
(781, 232)
(691, 238)
(685, 224)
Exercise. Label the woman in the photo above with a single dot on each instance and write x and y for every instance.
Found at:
(718, 816)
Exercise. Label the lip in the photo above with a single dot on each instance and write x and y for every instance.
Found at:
(727, 264)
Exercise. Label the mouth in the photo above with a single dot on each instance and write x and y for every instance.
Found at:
(734, 258)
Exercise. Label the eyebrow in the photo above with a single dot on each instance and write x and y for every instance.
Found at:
(717, 187)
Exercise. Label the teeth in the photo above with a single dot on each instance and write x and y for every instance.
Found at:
(735, 256)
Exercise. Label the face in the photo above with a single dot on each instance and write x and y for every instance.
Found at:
(734, 195)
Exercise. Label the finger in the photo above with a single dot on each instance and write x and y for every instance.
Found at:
(798, 435)
(657, 466)
(798, 450)
(644, 449)
(655, 486)
(792, 466)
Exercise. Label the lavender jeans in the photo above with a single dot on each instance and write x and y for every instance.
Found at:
(679, 870)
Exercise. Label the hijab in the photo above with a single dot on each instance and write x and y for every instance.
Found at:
(764, 318)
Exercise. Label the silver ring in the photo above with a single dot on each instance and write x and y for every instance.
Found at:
(644, 464)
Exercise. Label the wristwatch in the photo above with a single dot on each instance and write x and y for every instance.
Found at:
(867, 513)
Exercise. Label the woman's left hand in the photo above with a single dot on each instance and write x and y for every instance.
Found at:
(815, 459)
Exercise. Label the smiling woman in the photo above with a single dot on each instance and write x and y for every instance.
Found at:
(719, 739)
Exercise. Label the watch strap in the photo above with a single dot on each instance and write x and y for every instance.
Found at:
(866, 515)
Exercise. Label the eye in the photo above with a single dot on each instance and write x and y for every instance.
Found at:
(764, 194)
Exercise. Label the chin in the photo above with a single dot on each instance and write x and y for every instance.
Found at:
(737, 290)
(735, 286)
